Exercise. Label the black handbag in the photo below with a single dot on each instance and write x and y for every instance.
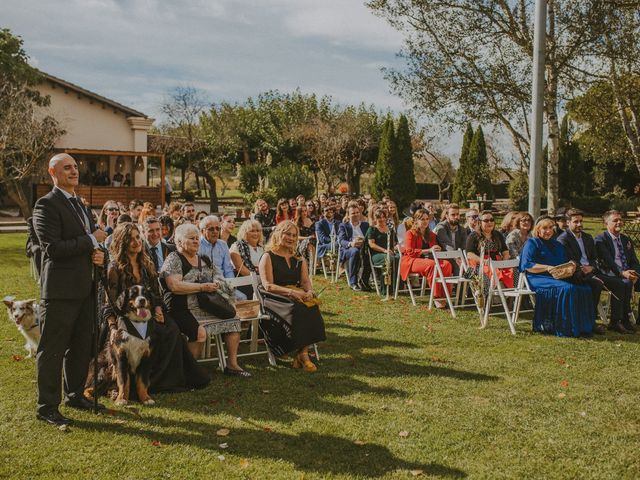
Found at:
(214, 303)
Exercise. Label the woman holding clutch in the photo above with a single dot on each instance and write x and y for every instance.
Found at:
(562, 308)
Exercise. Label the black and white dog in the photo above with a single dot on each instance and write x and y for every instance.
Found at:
(128, 351)
(26, 315)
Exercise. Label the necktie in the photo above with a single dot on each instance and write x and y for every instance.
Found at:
(622, 256)
(156, 259)
(79, 211)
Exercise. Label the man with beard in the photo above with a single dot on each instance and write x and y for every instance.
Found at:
(450, 235)
(266, 216)
(189, 212)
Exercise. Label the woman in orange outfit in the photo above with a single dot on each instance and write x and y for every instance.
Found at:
(417, 244)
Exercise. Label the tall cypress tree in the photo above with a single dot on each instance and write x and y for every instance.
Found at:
(481, 177)
(404, 179)
(464, 175)
(382, 180)
(571, 166)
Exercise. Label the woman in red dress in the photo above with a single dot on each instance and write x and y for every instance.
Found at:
(417, 244)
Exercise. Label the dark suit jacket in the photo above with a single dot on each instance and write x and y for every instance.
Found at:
(574, 253)
(345, 234)
(323, 234)
(167, 248)
(607, 253)
(443, 234)
(66, 248)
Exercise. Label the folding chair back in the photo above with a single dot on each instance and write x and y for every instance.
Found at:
(423, 284)
(459, 281)
(520, 290)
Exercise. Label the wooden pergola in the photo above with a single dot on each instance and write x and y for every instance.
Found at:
(122, 153)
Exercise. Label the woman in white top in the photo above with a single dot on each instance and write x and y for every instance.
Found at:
(247, 251)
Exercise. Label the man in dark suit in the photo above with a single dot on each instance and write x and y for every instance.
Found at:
(157, 248)
(618, 260)
(69, 243)
(582, 250)
(326, 228)
(352, 249)
(450, 235)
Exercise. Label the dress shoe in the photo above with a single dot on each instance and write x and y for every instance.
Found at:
(236, 373)
(365, 287)
(617, 327)
(54, 417)
(81, 403)
(599, 329)
(356, 288)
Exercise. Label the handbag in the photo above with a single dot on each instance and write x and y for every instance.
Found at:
(214, 303)
(563, 271)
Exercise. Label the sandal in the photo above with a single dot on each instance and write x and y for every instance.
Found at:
(236, 373)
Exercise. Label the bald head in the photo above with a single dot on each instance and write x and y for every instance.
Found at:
(64, 172)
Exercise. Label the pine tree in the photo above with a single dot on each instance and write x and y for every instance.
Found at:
(481, 178)
(387, 155)
(571, 166)
(464, 175)
(404, 179)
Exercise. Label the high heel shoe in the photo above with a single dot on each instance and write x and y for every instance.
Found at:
(307, 364)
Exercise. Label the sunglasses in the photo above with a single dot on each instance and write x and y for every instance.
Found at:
(473, 217)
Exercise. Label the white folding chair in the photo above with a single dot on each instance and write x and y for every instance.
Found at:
(253, 323)
(329, 272)
(341, 268)
(423, 284)
(516, 293)
(461, 283)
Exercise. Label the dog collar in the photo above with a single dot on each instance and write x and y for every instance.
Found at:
(32, 327)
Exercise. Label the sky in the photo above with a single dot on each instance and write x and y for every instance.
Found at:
(135, 51)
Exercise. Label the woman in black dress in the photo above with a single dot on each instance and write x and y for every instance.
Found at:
(174, 368)
(284, 274)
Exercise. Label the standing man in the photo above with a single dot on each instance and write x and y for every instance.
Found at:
(450, 235)
(157, 248)
(135, 209)
(582, 250)
(69, 251)
(618, 259)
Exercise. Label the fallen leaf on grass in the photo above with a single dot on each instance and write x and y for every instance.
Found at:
(135, 411)
(266, 391)
(156, 443)
(244, 463)
(17, 358)
(224, 445)
(214, 402)
(221, 458)
(416, 473)
(561, 361)
(223, 432)
(583, 414)
(119, 421)
(403, 434)
(409, 402)
(562, 395)
(64, 428)
(564, 384)
(359, 442)
(267, 429)
(112, 412)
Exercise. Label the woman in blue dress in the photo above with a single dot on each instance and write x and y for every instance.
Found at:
(562, 308)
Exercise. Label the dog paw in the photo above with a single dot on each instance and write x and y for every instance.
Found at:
(151, 401)
(120, 401)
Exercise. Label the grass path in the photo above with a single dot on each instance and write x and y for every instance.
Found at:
(399, 390)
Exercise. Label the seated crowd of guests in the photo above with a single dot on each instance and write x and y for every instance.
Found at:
(181, 253)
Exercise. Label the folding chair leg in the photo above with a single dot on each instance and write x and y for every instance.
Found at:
(512, 327)
(413, 299)
(487, 307)
(315, 349)
(222, 361)
(433, 284)
(374, 274)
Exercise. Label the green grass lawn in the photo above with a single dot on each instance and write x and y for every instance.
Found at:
(401, 392)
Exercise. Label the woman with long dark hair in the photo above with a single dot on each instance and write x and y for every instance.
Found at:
(283, 211)
(174, 368)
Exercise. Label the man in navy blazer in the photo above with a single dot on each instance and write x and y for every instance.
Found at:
(352, 249)
(618, 259)
(582, 250)
(70, 242)
(327, 227)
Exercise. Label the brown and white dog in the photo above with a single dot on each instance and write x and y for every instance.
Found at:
(25, 314)
(128, 350)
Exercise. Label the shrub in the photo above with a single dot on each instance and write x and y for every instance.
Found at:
(519, 191)
(267, 194)
(624, 204)
(594, 205)
(289, 180)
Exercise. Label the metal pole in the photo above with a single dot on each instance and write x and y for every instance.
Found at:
(537, 104)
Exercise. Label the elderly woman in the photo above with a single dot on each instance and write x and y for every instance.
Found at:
(562, 308)
(185, 274)
(284, 274)
(417, 246)
(174, 368)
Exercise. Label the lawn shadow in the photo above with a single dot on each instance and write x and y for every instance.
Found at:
(309, 452)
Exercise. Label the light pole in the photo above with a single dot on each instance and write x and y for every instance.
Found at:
(537, 105)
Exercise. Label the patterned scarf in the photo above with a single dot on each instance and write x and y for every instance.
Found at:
(245, 253)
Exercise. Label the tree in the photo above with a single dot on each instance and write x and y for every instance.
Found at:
(481, 179)
(387, 163)
(27, 132)
(470, 59)
(572, 169)
(463, 186)
(405, 177)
